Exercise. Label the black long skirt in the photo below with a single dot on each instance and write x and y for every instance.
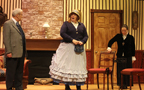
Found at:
(122, 63)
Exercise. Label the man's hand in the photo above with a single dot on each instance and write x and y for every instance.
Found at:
(9, 55)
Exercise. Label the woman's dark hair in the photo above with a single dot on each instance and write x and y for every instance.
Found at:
(125, 26)
(1, 9)
(72, 14)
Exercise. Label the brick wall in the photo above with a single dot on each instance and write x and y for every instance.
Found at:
(37, 12)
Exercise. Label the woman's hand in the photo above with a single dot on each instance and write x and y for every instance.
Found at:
(80, 43)
(75, 41)
(109, 50)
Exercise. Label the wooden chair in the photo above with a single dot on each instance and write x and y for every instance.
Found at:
(106, 60)
(133, 71)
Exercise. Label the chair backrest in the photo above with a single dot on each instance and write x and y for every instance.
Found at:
(2, 60)
(106, 60)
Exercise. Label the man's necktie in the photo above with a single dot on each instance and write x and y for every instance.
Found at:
(22, 33)
(20, 29)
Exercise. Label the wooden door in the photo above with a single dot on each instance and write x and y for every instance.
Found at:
(105, 25)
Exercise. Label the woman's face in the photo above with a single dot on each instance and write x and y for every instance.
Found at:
(124, 31)
(73, 18)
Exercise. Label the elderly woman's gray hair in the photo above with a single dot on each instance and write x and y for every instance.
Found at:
(16, 11)
(125, 26)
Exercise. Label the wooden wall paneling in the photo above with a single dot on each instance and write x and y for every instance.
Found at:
(142, 25)
(89, 62)
(137, 63)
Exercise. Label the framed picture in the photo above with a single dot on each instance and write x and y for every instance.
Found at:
(135, 20)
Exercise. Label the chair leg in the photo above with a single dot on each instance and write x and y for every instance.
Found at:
(121, 82)
(139, 82)
(104, 81)
(112, 80)
(87, 81)
(107, 81)
(130, 81)
(25, 83)
(98, 80)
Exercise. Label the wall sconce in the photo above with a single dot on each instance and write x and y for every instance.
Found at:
(46, 27)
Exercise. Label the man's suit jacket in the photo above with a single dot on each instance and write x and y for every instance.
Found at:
(127, 46)
(12, 39)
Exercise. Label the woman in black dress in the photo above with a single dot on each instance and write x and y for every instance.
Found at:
(126, 50)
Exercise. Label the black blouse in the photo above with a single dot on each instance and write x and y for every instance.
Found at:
(126, 46)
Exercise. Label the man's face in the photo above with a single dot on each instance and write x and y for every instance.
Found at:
(19, 16)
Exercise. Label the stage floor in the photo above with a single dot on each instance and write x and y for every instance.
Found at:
(61, 87)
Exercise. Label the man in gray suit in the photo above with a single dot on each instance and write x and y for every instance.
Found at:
(15, 48)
